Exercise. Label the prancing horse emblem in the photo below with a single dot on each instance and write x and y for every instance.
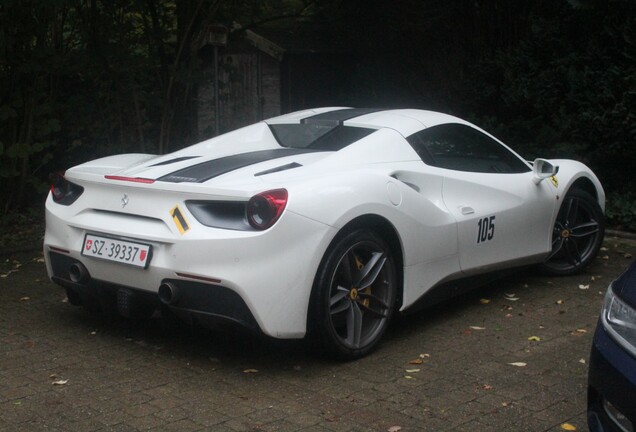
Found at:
(124, 201)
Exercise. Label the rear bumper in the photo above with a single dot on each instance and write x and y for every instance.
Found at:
(260, 280)
(201, 303)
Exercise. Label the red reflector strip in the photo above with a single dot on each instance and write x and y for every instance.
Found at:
(201, 278)
(57, 249)
(130, 179)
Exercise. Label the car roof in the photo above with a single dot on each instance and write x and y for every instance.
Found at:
(404, 121)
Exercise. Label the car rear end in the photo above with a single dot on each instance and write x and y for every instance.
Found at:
(209, 254)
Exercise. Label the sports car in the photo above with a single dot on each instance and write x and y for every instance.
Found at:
(322, 223)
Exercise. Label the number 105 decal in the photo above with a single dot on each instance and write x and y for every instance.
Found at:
(486, 229)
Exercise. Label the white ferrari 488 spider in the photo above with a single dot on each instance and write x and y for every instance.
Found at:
(323, 222)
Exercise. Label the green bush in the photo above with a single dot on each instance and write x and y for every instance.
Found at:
(621, 210)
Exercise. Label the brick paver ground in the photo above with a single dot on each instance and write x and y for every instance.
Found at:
(117, 375)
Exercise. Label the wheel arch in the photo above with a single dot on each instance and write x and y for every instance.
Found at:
(387, 231)
(586, 185)
(575, 175)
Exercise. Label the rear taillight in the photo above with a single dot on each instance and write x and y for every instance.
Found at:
(264, 209)
(63, 191)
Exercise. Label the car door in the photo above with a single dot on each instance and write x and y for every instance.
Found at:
(503, 217)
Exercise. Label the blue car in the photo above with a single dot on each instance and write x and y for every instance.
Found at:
(612, 373)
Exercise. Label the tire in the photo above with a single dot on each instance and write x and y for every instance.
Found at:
(353, 297)
(577, 236)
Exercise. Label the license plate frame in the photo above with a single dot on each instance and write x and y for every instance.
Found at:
(117, 250)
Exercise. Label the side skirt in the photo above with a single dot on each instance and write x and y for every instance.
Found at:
(447, 290)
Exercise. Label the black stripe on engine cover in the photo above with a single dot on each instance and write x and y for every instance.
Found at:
(205, 171)
(175, 160)
(338, 117)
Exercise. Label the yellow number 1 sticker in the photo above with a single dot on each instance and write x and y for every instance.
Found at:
(179, 219)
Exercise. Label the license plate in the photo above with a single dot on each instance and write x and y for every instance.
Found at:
(122, 251)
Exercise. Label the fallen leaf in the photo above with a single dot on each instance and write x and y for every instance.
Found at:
(416, 361)
(59, 382)
(534, 338)
(512, 298)
(627, 255)
(582, 361)
(250, 371)
(409, 377)
(560, 302)
(394, 429)
(581, 331)
(477, 328)
(25, 298)
(424, 355)
(508, 315)
(518, 364)
(584, 287)
(568, 427)
(412, 370)
(604, 249)
(487, 387)
(605, 257)
(484, 301)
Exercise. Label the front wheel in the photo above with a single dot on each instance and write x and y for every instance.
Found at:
(354, 295)
(577, 235)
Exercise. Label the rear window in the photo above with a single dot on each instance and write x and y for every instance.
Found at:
(318, 136)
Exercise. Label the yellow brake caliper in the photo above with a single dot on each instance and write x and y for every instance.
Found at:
(360, 266)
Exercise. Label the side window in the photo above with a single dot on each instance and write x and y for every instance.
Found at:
(463, 148)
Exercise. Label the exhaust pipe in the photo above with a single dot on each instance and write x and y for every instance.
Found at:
(168, 293)
(78, 273)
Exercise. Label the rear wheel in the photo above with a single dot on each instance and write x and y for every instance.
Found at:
(578, 234)
(354, 294)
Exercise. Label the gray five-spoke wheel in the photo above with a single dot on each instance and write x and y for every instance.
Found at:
(357, 287)
(578, 233)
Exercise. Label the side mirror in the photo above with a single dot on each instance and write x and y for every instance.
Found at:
(542, 169)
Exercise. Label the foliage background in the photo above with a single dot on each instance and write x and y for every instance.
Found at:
(86, 78)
